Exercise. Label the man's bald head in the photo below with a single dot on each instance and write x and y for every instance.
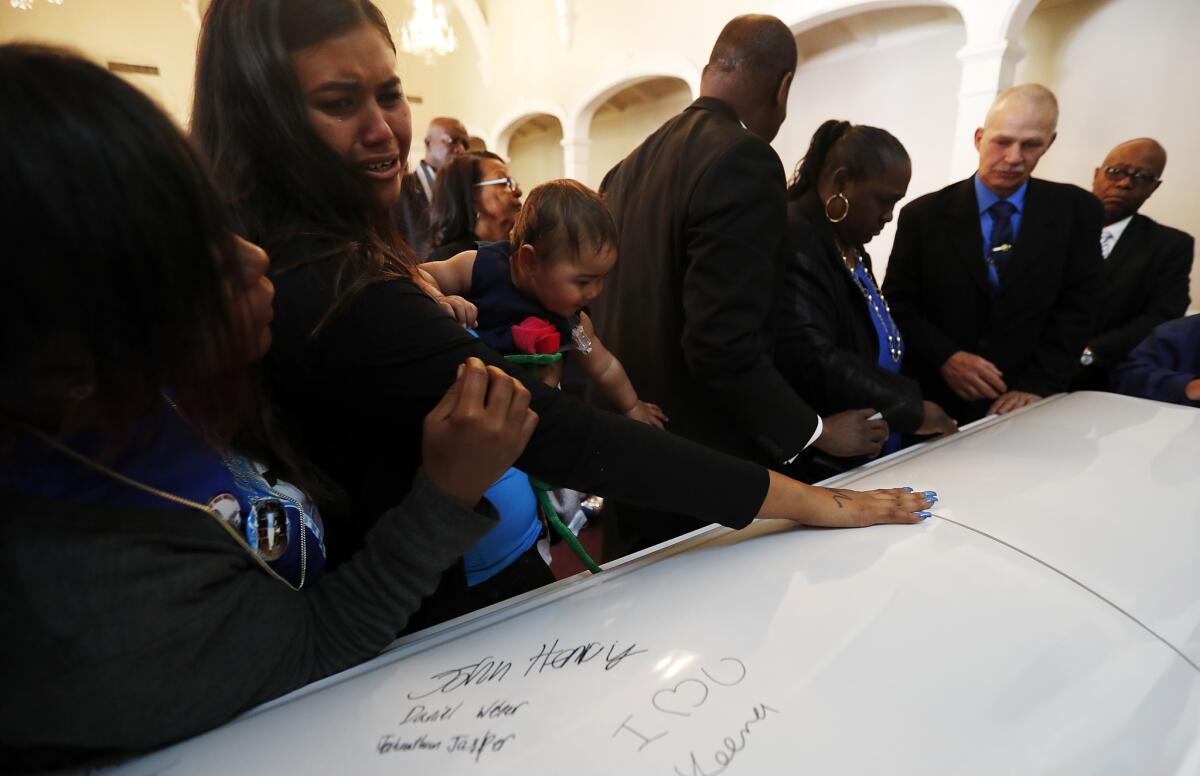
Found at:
(1128, 176)
(445, 138)
(761, 47)
(1144, 148)
(751, 68)
(1019, 128)
(1029, 97)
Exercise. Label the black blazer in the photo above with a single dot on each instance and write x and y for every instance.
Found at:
(825, 341)
(1144, 282)
(1041, 318)
(700, 207)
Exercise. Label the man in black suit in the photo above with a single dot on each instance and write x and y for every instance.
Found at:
(1146, 265)
(992, 280)
(445, 139)
(700, 207)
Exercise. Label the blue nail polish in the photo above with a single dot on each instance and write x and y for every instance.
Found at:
(931, 493)
(924, 515)
(908, 490)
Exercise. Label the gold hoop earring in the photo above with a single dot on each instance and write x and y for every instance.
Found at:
(845, 203)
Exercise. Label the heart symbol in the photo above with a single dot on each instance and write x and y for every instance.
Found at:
(714, 680)
(675, 700)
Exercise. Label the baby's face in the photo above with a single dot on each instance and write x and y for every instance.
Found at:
(566, 285)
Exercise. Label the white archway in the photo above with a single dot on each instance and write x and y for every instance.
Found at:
(799, 21)
(512, 121)
(625, 117)
(987, 61)
(631, 75)
(576, 142)
(532, 145)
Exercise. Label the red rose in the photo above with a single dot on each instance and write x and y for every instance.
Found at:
(536, 335)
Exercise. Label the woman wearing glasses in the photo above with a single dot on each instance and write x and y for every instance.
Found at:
(474, 200)
(361, 351)
(836, 341)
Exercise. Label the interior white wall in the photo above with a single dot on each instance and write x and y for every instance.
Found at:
(854, 75)
(1123, 69)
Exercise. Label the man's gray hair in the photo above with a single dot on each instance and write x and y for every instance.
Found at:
(1031, 94)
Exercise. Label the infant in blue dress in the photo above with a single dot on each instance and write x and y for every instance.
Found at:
(532, 293)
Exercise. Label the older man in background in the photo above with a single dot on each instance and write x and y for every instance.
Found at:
(1146, 265)
(993, 279)
(445, 139)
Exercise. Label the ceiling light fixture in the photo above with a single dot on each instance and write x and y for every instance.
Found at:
(427, 34)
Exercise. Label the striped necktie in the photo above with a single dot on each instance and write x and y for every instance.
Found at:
(1107, 241)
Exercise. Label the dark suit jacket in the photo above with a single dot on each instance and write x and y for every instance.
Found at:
(826, 345)
(1144, 282)
(700, 208)
(1039, 321)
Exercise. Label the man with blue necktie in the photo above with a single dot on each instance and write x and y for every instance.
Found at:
(992, 279)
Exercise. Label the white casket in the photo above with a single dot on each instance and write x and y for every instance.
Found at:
(1045, 621)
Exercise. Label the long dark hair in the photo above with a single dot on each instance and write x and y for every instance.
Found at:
(279, 177)
(864, 151)
(117, 251)
(452, 211)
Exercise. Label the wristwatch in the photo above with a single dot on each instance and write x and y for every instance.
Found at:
(1088, 357)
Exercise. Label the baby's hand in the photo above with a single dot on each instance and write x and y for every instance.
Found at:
(455, 306)
(460, 310)
(645, 412)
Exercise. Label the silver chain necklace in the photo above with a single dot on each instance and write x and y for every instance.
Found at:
(884, 315)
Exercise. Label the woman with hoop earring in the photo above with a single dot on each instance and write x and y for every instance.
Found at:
(836, 341)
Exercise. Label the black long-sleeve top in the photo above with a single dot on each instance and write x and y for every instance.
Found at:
(356, 394)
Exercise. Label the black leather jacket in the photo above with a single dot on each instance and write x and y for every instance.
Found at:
(825, 343)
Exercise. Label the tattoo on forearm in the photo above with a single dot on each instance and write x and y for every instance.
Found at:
(839, 496)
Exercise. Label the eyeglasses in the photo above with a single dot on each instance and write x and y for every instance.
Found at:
(1115, 174)
(509, 182)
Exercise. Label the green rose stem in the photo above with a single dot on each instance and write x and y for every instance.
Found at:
(543, 496)
(541, 489)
